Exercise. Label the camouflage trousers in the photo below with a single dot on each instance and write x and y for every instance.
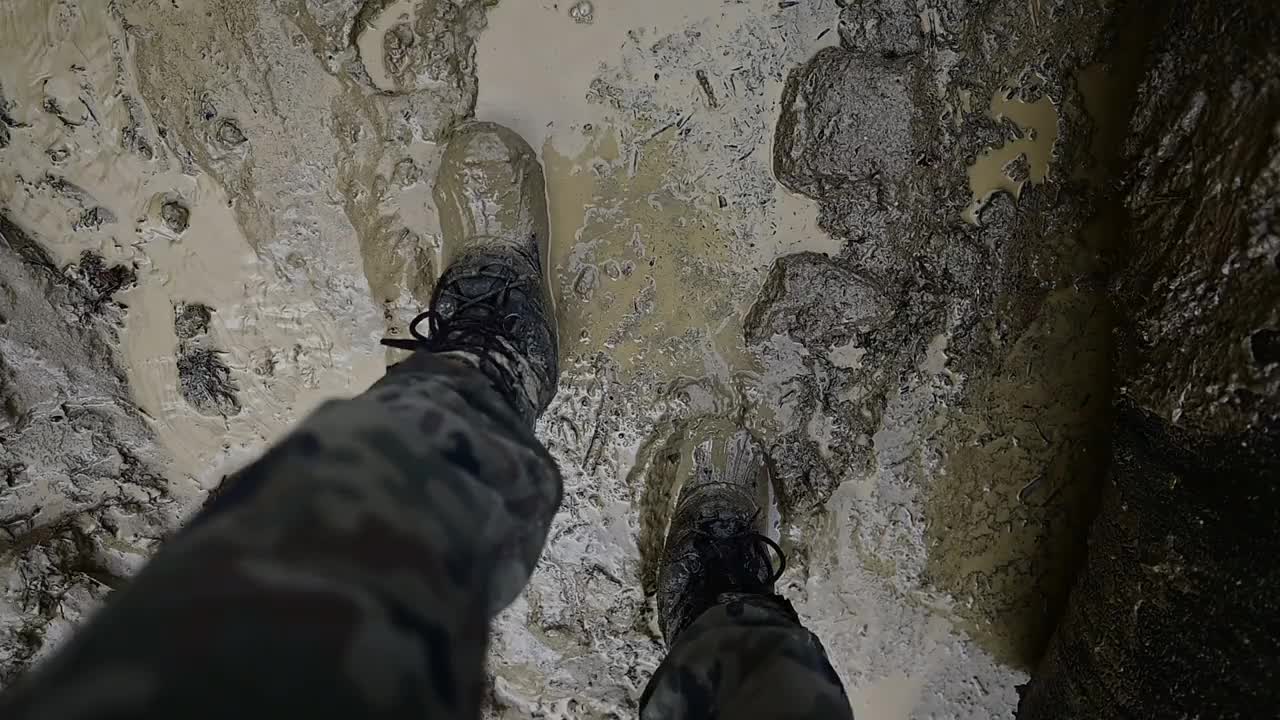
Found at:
(353, 570)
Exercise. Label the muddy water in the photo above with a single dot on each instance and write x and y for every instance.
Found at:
(305, 160)
(1008, 512)
(657, 142)
(997, 169)
(210, 261)
(1030, 445)
(646, 261)
(537, 63)
(645, 280)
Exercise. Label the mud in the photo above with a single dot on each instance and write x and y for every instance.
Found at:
(84, 502)
(1190, 505)
(877, 234)
(860, 104)
(204, 380)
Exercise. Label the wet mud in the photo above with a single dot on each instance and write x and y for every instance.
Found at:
(884, 236)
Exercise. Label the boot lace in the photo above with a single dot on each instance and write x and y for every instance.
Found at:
(479, 317)
(478, 323)
(728, 551)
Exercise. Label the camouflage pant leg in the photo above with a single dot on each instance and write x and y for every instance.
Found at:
(746, 657)
(350, 572)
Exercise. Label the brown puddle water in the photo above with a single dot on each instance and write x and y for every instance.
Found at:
(994, 169)
(641, 272)
(1031, 446)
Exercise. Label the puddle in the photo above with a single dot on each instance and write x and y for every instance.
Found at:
(650, 261)
(1008, 514)
(537, 63)
(646, 278)
(1011, 166)
(287, 348)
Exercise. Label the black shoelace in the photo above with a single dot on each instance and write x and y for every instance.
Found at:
(750, 542)
(476, 324)
(765, 543)
(477, 317)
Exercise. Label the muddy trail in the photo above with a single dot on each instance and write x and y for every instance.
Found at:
(975, 273)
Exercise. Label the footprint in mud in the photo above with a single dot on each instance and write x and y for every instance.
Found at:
(204, 379)
(406, 45)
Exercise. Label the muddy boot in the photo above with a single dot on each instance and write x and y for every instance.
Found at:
(492, 308)
(716, 546)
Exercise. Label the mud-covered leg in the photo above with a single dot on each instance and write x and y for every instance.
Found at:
(737, 649)
(352, 571)
(746, 657)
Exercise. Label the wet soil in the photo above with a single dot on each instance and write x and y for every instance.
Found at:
(878, 234)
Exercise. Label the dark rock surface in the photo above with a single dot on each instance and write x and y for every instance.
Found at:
(844, 137)
(1175, 613)
(1202, 285)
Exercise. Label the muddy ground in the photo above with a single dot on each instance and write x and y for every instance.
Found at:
(877, 233)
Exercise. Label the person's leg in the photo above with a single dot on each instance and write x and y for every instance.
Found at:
(353, 569)
(736, 648)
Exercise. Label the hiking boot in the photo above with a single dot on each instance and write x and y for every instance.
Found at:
(716, 543)
(492, 307)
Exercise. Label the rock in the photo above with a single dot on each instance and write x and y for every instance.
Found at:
(176, 216)
(93, 219)
(6, 119)
(105, 280)
(1175, 611)
(76, 454)
(583, 12)
(815, 301)
(228, 134)
(889, 28)
(844, 137)
(191, 320)
(204, 380)
(406, 173)
(410, 45)
(1181, 581)
(1202, 289)
(586, 282)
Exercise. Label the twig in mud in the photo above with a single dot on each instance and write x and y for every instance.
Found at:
(591, 458)
(658, 132)
(600, 568)
(705, 82)
(787, 4)
(1025, 492)
(1043, 437)
(88, 108)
